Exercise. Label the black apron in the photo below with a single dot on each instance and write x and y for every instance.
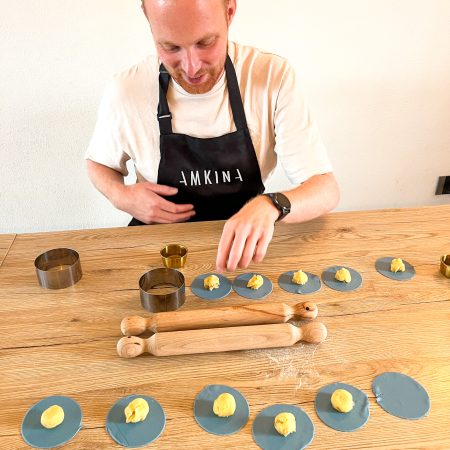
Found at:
(217, 175)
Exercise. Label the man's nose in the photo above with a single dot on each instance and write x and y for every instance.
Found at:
(191, 63)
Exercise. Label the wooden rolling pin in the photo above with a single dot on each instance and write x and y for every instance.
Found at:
(257, 314)
(221, 339)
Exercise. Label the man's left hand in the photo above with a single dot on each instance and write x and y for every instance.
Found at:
(246, 235)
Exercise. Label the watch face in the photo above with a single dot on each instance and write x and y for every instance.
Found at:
(283, 201)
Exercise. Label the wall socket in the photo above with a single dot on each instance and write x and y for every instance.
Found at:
(443, 186)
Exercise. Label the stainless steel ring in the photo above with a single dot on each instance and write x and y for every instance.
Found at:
(162, 279)
(58, 268)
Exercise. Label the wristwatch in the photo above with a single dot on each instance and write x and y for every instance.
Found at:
(281, 202)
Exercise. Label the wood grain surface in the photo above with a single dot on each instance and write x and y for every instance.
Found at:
(6, 241)
(64, 342)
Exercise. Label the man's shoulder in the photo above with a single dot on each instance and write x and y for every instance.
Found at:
(244, 55)
(138, 78)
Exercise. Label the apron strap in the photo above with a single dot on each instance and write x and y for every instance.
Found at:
(235, 96)
(165, 116)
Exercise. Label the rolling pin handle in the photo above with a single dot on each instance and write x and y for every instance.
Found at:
(306, 310)
(131, 346)
(133, 325)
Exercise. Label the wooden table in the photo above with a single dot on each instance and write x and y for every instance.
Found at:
(6, 241)
(64, 342)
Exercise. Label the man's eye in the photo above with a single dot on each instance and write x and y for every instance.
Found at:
(171, 48)
(207, 43)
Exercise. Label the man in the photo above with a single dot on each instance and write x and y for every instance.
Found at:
(204, 123)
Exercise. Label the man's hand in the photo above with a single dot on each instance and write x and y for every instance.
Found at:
(144, 202)
(247, 234)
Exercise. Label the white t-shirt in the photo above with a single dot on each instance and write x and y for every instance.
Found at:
(277, 116)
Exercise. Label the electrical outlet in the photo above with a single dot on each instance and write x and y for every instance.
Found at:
(443, 186)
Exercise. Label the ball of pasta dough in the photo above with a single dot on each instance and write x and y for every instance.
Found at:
(255, 282)
(342, 400)
(285, 423)
(300, 277)
(397, 265)
(211, 282)
(224, 405)
(52, 416)
(343, 275)
(137, 410)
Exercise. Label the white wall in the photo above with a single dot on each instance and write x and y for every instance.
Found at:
(376, 72)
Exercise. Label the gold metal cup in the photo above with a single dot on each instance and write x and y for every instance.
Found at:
(445, 266)
(174, 256)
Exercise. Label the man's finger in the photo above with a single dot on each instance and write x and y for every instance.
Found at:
(237, 248)
(262, 245)
(224, 249)
(173, 208)
(161, 189)
(249, 250)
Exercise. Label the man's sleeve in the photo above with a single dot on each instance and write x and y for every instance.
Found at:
(106, 146)
(298, 144)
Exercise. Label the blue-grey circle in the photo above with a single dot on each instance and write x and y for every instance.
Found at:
(240, 287)
(332, 283)
(383, 266)
(400, 395)
(351, 421)
(312, 285)
(268, 438)
(205, 417)
(222, 291)
(139, 434)
(38, 436)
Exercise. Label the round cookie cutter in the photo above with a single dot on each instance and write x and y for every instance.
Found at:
(174, 256)
(162, 290)
(58, 268)
(445, 266)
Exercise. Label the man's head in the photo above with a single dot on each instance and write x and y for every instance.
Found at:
(191, 38)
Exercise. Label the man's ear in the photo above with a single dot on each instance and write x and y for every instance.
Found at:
(231, 11)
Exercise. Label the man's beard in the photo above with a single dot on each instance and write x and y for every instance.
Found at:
(213, 75)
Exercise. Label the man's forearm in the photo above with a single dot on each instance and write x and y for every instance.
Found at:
(108, 181)
(313, 198)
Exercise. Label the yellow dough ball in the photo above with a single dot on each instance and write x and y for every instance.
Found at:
(300, 277)
(342, 401)
(137, 410)
(285, 423)
(255, 282)
(397, 265)
(211, 282)
(52, 416)
(224, 405)
(343, 275)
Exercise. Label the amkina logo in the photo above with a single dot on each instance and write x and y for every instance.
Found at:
(199, 178)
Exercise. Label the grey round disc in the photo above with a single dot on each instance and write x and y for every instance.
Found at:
(383, 266)
(400, 395)
(38, 436)
(222, 291)
(265, 435)
(331, 282)
(205, 417)
(312, 285)
(240, 287)
(132, 435)
(351, 421)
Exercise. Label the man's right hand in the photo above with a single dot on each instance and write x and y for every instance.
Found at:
(144, 202)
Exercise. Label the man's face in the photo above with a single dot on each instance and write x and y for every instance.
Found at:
(191, 38)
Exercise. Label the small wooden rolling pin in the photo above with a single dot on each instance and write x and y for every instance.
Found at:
(221, 339)
(258, 314)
